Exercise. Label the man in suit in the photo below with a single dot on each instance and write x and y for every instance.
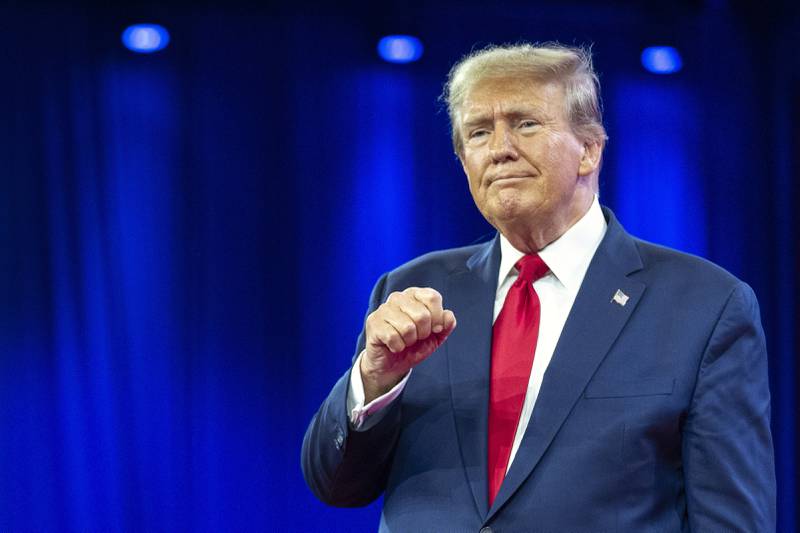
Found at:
(564, 377)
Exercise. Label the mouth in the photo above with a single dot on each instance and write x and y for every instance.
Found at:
(508, 178)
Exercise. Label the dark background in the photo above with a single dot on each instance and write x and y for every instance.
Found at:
(189, 238)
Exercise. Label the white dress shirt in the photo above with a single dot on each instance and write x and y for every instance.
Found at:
(568, 258)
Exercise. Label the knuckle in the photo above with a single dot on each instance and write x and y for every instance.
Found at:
(419, 315)
(395, 343)
(393, 297)
(430, 296)
(388, 338)
(374, 319)
(406, 330)
(374, 334)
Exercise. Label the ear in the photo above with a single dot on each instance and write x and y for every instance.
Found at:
(590, 158)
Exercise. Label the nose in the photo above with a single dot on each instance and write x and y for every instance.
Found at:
(503, 146)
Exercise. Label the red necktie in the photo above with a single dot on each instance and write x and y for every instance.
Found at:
(513, 344)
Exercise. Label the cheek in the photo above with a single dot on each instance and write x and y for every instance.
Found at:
(474, 189)
(554, 148)
(474, 173)
(562, 156)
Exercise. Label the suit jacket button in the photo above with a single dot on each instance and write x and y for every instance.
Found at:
(486, 529)
(339, 440)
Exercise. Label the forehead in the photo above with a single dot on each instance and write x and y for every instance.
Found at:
(512, 95)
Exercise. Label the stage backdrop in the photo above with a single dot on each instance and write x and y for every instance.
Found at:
(189, 238)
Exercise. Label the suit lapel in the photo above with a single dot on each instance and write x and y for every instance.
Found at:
(589, 332)
(470, 294)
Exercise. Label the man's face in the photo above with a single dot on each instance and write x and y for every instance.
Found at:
(524, 165)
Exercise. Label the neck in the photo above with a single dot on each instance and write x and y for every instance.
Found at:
(534, 233)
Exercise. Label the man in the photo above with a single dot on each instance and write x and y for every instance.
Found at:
(564, 377)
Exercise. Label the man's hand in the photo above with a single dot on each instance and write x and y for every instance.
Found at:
(401, 333)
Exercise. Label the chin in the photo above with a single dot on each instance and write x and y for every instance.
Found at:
(503, 218)
(509, 206)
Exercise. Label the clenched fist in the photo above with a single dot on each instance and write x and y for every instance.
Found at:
(401, 333)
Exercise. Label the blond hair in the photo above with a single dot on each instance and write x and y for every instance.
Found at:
(545, 62)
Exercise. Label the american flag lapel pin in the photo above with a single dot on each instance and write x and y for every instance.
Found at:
(620, 298)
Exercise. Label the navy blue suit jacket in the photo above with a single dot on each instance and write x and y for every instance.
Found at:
(652, 416)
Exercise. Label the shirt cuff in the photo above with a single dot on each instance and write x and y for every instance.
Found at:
(363, 417)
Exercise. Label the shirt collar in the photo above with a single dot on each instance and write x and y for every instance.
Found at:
(568, 256)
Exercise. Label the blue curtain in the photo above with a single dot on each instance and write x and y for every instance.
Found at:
(190, 238)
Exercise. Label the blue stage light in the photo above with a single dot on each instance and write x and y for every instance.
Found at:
(661, 59)
(400, 48)
(145, 38)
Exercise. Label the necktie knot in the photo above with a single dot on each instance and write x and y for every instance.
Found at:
(531, 268)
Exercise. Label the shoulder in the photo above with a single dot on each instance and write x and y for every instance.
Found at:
(437, 264)
(687, 276)
(672, 276)
(450, 260)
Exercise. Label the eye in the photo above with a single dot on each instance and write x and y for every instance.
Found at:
(477, 134)
(528, 123)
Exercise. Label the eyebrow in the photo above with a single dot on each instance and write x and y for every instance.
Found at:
(513, 113)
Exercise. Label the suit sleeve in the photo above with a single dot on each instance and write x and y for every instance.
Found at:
(729, 465)
(343, 467)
